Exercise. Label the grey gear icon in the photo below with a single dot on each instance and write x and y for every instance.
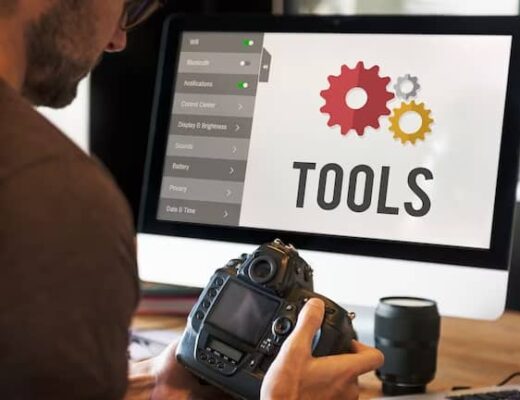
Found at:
(399, 87)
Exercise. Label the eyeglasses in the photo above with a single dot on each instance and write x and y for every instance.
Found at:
(136, 12)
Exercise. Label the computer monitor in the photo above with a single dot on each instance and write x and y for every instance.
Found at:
(385, 148)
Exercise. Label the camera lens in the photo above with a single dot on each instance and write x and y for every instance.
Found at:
(407, 332)
(262, 269)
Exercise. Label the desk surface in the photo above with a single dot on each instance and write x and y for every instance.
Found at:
(471, 353)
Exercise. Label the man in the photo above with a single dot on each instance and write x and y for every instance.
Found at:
(68, 281)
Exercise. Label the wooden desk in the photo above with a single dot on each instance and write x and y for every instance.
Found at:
(471, 353)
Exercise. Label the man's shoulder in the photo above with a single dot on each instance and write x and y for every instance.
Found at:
(26, 137)
(61, 212)
(40, 167)
(67, 255)
(65, 191)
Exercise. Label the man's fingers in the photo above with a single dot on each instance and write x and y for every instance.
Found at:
(358, 347)
(369, 357)
(363, 359)
(309, 321)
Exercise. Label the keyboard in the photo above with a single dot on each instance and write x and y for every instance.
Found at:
(495, 395)
(509, 392)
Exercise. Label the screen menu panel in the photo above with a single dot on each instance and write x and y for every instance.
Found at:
(211, 124)
(388, 137)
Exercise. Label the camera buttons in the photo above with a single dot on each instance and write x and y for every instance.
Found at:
(254, 361)
(233, 263)
(289, 307)
(267, 346)
(278, 340)
(219, 281)
(203, 356)
(211, 361)
(213, 292)
(282, 326)
(329, 310)
(206, 303)
(199, 315)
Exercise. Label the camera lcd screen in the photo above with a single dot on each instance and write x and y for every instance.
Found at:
(243, 312)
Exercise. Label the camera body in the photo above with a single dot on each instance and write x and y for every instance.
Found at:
(246, 312)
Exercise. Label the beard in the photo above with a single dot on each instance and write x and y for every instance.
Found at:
(55, 65)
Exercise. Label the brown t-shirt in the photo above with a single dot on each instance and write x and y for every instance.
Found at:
(68, 275)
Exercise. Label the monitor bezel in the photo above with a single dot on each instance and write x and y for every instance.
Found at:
(496, 257)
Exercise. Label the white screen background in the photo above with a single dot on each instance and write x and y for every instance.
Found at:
(466, 93)
(73, 120)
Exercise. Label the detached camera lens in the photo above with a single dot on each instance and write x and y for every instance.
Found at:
(407, 332)
(262, 270)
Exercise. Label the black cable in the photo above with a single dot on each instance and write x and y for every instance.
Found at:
(509, 378)
(456, 388)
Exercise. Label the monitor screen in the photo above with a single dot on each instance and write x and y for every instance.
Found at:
(252, 312)
(392, 137)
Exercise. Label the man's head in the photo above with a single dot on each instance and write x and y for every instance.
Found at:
(48, 46)
(64, 42)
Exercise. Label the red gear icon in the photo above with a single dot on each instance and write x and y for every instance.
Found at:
(368, 115)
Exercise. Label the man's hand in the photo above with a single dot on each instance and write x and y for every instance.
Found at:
(296, 374)
(176, 382)
(163, 378)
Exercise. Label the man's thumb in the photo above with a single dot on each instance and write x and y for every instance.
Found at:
(309, 321)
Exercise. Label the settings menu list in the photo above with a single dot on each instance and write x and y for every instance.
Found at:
(210, 129)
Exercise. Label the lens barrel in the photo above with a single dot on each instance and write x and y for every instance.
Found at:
(407, 331)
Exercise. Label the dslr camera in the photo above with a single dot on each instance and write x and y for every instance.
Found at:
(246, 312)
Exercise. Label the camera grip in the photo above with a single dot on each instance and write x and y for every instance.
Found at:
(331, 341)
(336, 333)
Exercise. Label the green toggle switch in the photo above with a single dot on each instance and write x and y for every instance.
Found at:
(248, 42)
(242, 85)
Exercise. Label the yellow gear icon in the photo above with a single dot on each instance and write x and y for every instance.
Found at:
(420, 134)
